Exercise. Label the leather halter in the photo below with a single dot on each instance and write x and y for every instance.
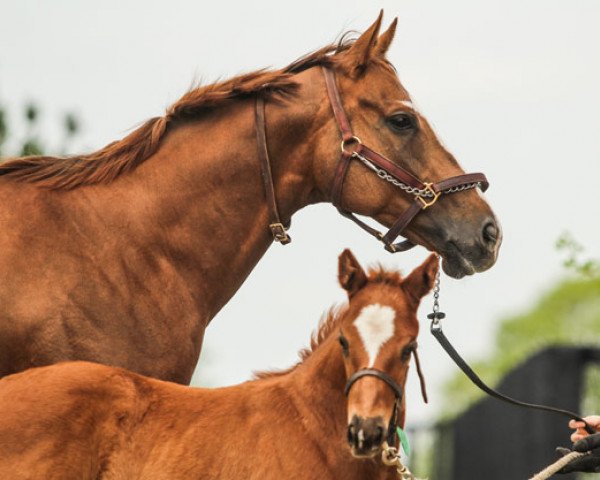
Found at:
(426, 194)
(396, 388)
(378, 162)
(278, 229)
(398, 393)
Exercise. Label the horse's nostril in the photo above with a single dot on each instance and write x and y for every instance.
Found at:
(351, 434)
(490, 232)
(378, 438)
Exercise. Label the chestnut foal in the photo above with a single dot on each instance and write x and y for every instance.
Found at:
(81, 420)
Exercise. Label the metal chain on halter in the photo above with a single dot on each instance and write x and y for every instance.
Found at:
(419, 192)
(435, 316)
(390, 456)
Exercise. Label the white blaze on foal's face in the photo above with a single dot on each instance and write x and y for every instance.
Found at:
(375, 325)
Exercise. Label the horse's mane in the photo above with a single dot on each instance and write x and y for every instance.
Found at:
(331, 319)
(126, 154)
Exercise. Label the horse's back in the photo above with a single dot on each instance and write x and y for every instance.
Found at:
(63, 421)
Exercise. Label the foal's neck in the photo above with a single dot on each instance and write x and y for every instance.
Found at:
(319, 383)
(317, 391)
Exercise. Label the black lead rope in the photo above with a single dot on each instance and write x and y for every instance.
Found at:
(436, 329)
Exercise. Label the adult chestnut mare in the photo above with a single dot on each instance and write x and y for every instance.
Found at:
(80, 420)
(124, 255)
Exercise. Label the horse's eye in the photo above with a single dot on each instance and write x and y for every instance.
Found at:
(402, 122)
(344, 344)
(406, 352)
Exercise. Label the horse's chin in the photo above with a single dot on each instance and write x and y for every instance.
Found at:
(373, 452)
(458, 263)
(457, 266)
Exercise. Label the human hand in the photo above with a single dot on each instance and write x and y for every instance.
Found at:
(590, 463)
(580, 432)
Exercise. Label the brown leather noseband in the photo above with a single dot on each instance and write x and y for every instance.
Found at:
(396, 388)
(425, 194)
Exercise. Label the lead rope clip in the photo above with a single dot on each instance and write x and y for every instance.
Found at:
(390, 456)
(436, 316)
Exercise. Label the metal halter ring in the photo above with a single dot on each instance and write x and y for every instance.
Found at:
(353, 139)
(428, 189)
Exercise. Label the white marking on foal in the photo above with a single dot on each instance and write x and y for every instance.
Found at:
(375, 325)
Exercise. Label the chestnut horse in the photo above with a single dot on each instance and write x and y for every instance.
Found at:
(80, 420)
(123, 256)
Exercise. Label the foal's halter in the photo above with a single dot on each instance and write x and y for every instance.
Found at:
(396, 388)
(425, 193)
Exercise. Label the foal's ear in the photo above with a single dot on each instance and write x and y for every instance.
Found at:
(359, 54)
(351, 275)
(421, 280)
(384, 41)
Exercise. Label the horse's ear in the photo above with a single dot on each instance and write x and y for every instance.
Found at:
(384, 41)
(359, 54)
(421, 280)
(351, 275)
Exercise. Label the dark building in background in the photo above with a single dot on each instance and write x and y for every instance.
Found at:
(497, 441)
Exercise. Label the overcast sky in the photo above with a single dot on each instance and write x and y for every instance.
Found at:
(511, 87)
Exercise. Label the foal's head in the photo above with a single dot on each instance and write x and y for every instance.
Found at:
(461, 227)
(379, 333)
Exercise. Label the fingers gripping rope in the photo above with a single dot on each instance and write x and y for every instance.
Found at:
(558, 465)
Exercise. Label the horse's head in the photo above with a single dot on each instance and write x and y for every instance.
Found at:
(461, 227)
(378, 336)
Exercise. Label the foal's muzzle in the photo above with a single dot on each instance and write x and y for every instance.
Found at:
(366, 435)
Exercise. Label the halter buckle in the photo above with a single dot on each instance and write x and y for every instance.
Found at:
(436, 195)
(279, 233)
(390, 247)
(352, 139)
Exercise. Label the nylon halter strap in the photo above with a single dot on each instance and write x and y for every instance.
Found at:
(426, 194)
(397, 389)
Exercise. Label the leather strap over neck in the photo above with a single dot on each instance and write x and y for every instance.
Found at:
(278, 229)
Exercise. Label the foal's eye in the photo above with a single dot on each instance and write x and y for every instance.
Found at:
(402, 122)
(344, 344)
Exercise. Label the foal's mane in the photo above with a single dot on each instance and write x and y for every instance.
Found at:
(330, 321)
(126, 154)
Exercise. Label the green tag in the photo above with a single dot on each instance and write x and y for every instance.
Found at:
(403, 440)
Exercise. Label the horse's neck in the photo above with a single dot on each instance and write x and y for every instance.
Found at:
(203, 192)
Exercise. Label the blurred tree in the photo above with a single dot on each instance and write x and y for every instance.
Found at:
(569, 314)
(32, 144)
